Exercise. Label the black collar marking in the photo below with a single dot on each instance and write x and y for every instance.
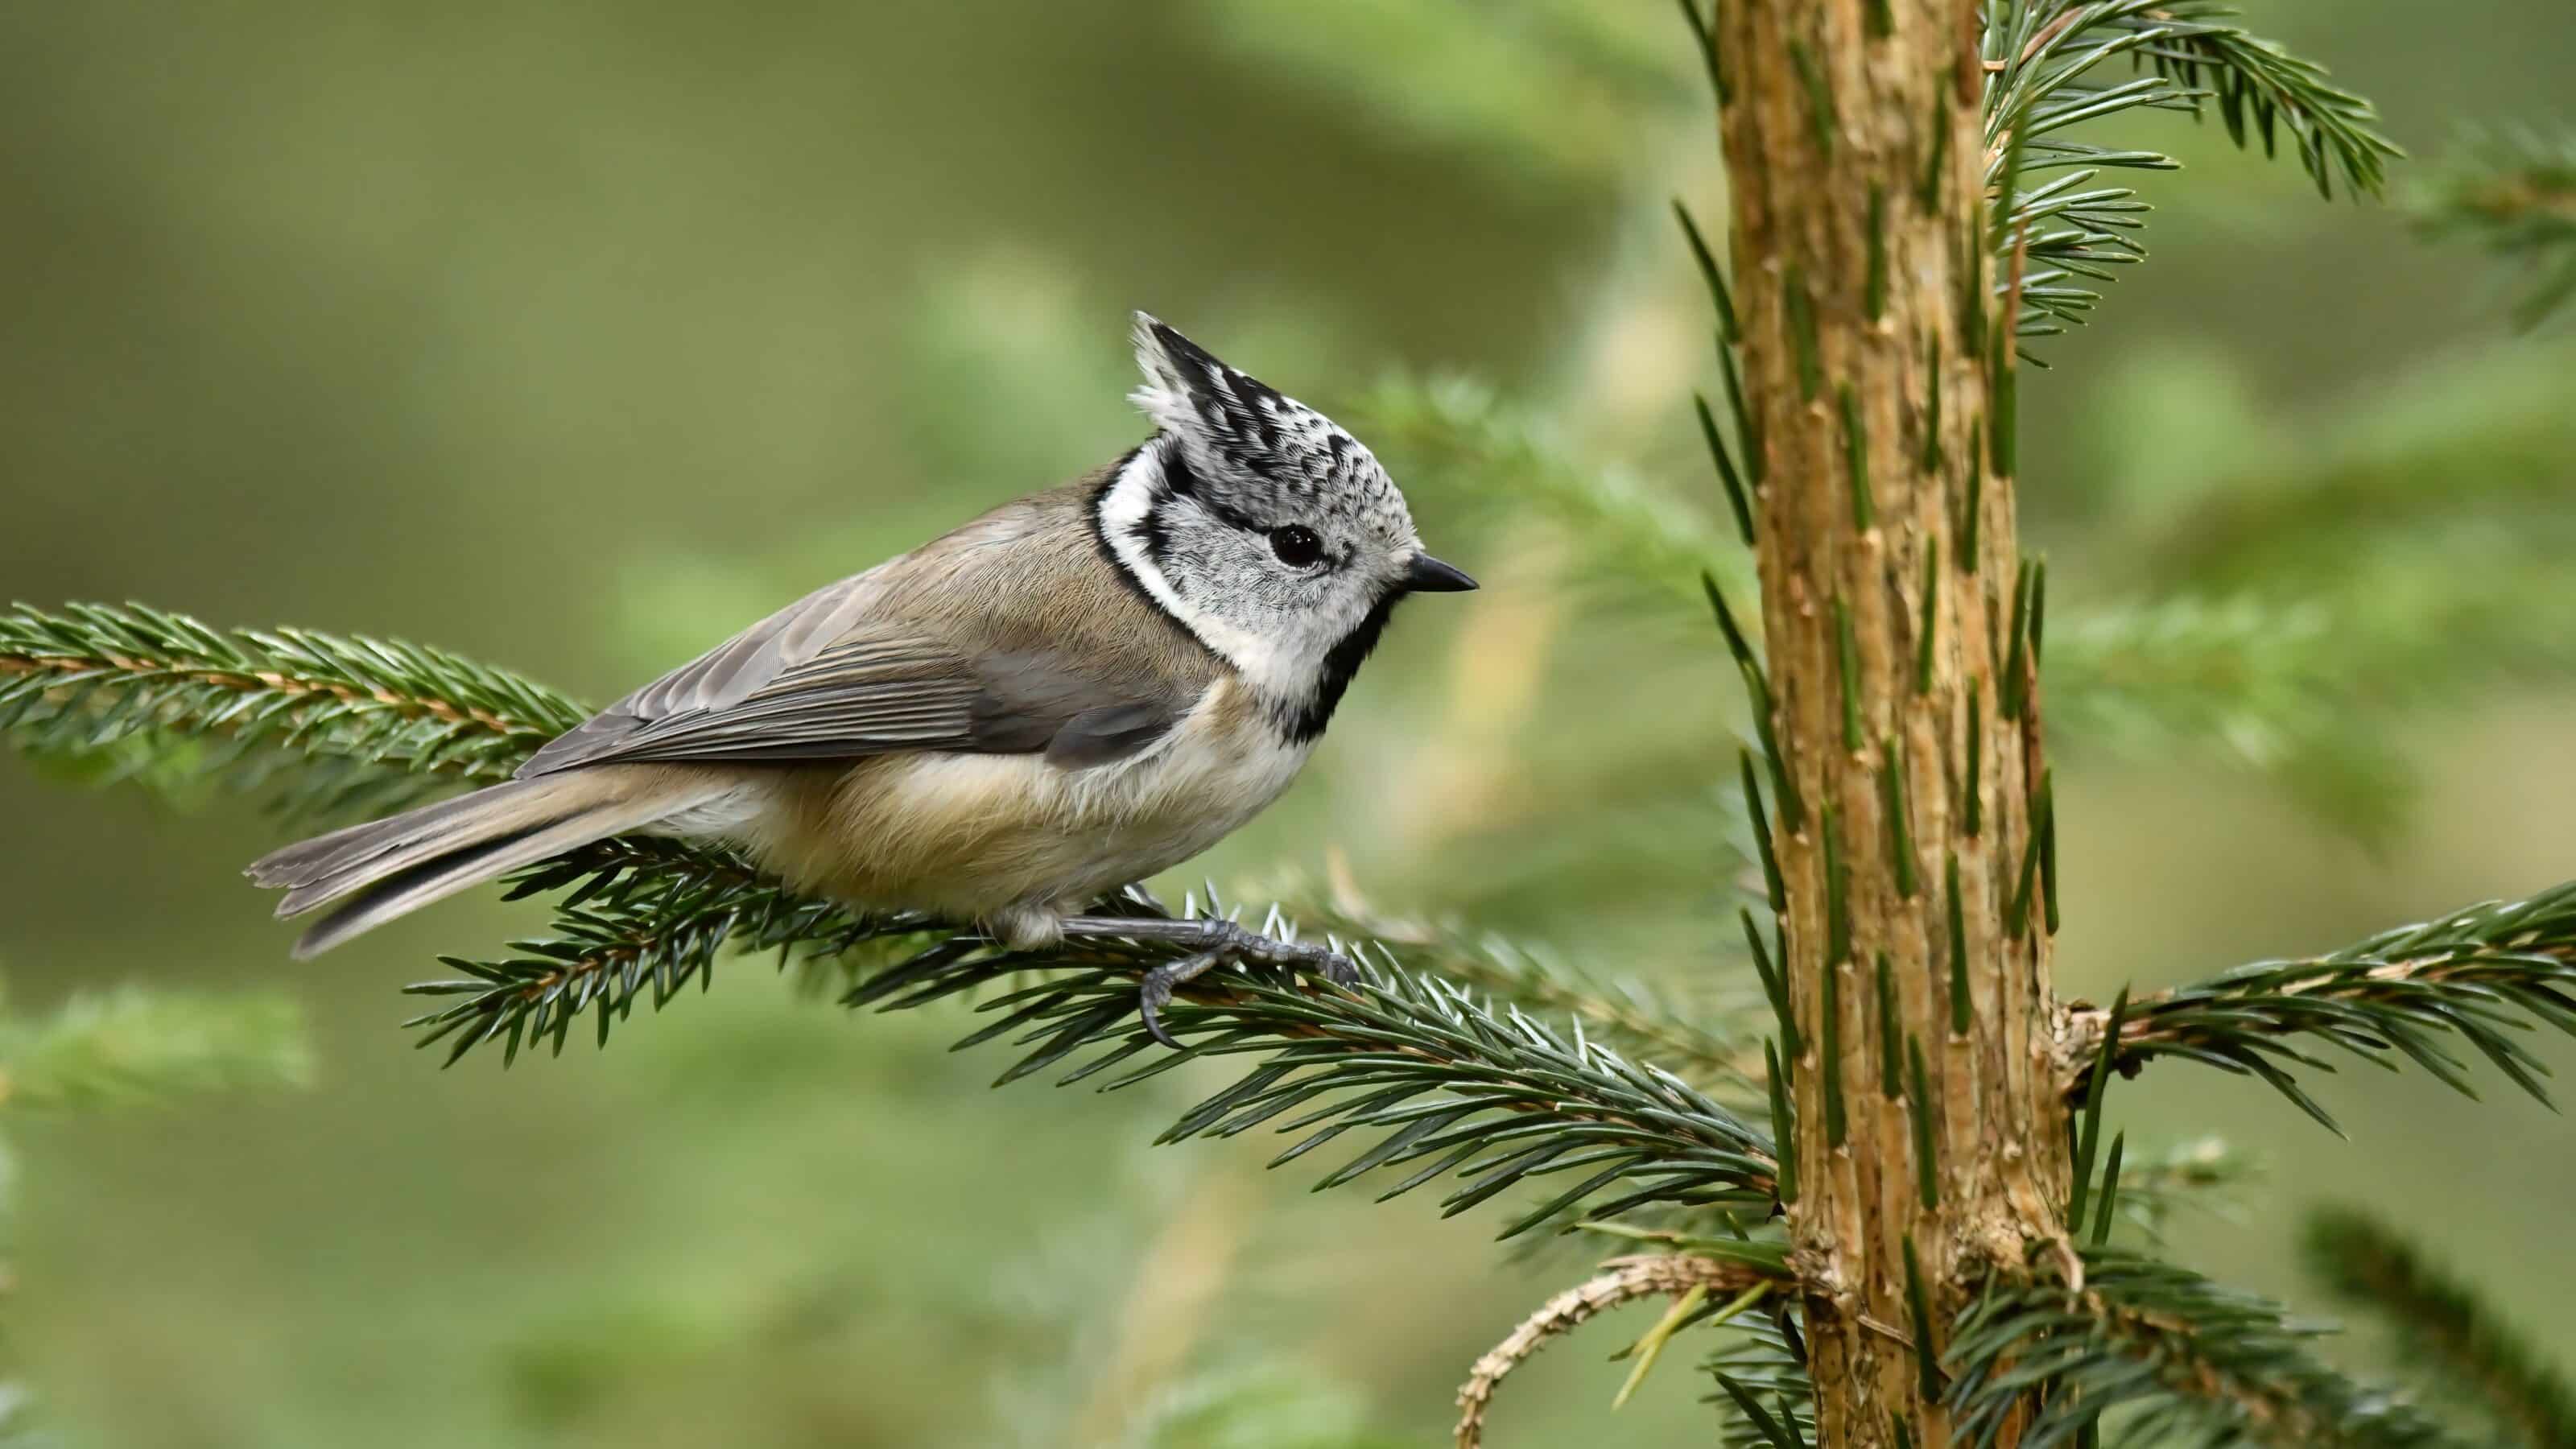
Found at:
(1302, 722)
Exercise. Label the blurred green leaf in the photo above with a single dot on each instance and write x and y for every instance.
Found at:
(2450, 1338)
(1459, 74)
(135, 1044)
(2512, 192)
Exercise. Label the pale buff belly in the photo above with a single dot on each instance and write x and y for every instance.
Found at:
(1012, 840)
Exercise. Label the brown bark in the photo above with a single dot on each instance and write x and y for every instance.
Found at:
(1853, 145)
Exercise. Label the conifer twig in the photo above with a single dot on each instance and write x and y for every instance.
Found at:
(93, 679)
(643, 915)
(1765, 1361)
(2482, 973)
(1685, 1035)
(2442, 1325)
(2260, 88)
(2043, 58)
(2193, 1360)
(1494, 1097)
(1451, 1081)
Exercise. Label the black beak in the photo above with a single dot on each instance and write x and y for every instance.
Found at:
(1428, 575)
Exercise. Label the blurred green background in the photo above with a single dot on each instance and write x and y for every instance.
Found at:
(573, 337)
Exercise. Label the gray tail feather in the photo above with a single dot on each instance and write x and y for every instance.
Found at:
(392, 867)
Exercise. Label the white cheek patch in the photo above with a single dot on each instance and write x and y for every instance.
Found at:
(1273, 666)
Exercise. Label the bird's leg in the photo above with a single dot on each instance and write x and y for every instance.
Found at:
(1216, 941)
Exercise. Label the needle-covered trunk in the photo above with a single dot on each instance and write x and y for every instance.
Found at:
(1900, 635)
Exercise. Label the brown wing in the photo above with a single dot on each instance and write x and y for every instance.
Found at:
(966, 646)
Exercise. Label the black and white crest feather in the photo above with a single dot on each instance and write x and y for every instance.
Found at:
(1231, 423)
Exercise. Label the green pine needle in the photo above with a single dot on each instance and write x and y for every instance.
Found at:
(1450, 1086)
(2189, 56)
(326, 725)
(2483, 975)
(2184, 1360)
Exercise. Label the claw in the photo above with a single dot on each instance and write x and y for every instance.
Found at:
(1151, 998)
(1155, 991)
(1211, 940)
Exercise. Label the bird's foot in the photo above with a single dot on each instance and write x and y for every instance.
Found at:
(1221, 941)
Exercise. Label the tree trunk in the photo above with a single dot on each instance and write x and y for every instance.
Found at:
(1878, 384)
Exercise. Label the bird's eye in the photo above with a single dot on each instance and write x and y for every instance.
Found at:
(1297, 546)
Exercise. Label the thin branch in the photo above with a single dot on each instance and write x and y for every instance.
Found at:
(125, 687)
(1496, 1098)
(1700, 1040)
(2259, 88)
(1626, 1280)
(643, 916)
(2482, 973)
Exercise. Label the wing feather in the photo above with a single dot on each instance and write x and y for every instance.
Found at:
(843, 674)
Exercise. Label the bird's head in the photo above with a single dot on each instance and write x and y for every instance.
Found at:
(1269, 532)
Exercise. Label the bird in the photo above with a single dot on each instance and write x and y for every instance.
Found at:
(1074, 692)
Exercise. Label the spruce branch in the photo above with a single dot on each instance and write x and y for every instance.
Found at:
(644, 918)
(2187, 1361)
(2039, 52)
(1623, 1280)
(1710, 1040)
(2260, 89)
(1495, 1097)
(2512, 192)
(2482, 974)
(2043, 60)
(134, 691)
(2441, 1324)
